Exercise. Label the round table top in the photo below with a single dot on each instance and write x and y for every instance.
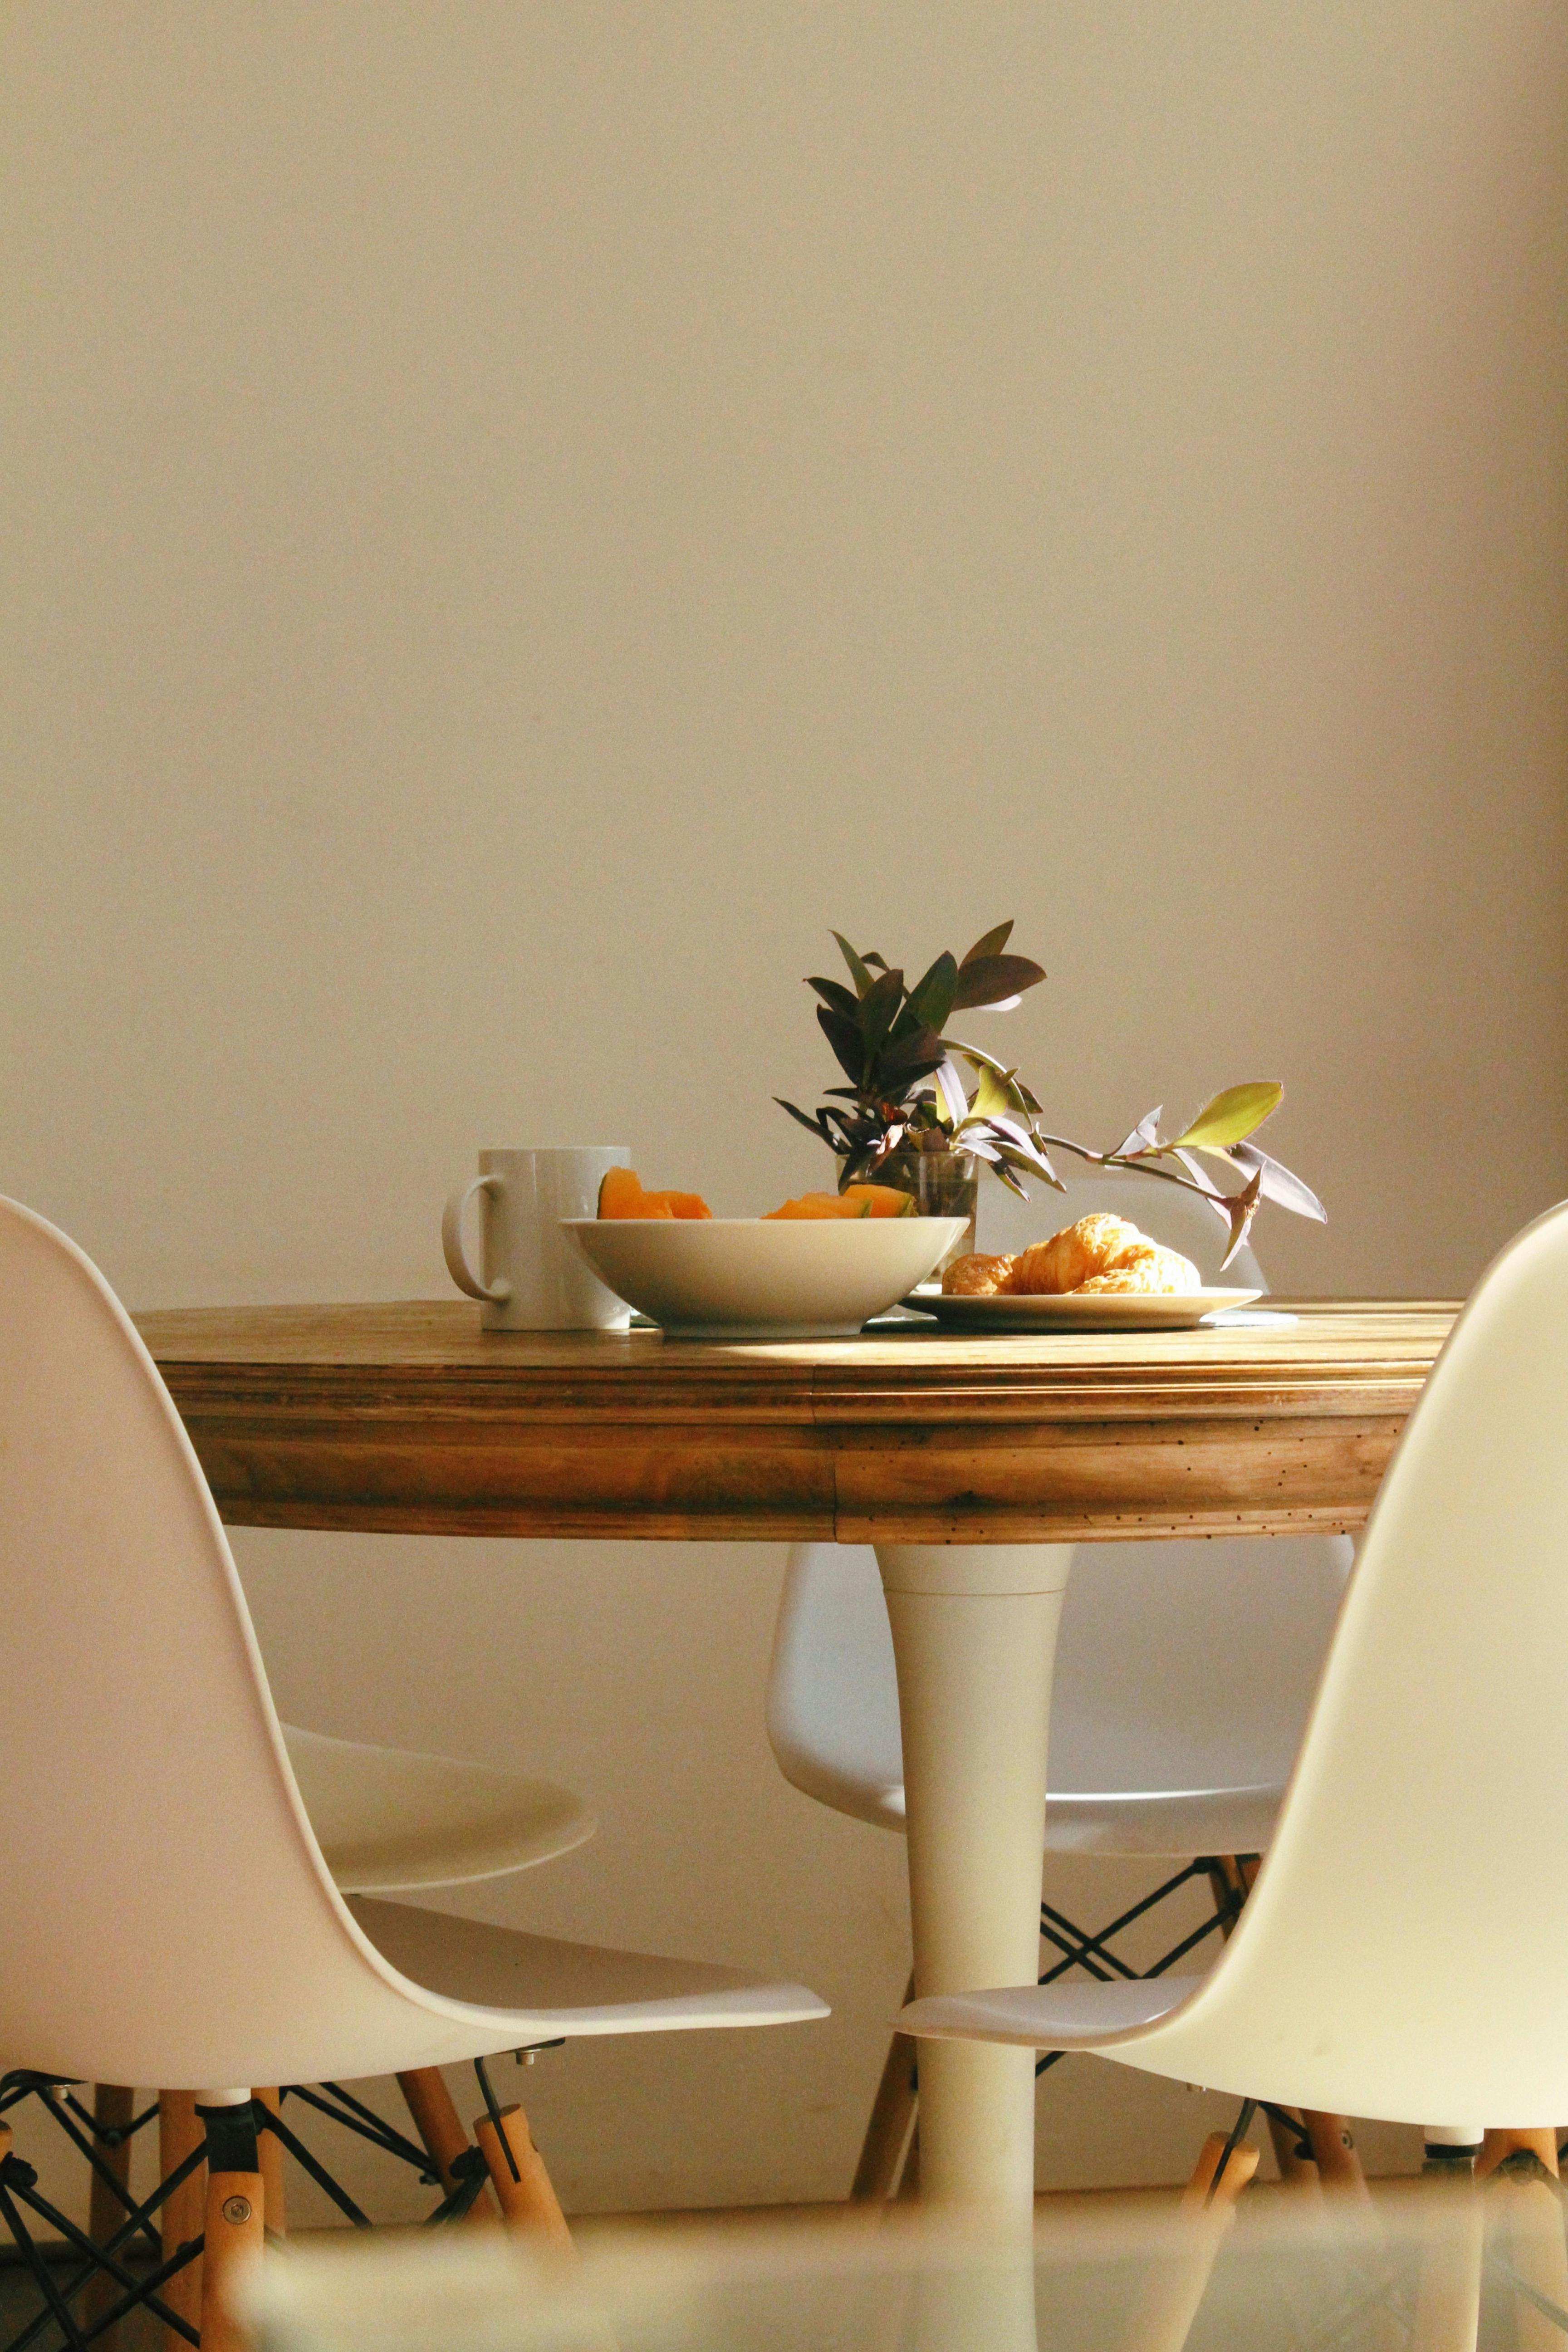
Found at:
(406, 1416)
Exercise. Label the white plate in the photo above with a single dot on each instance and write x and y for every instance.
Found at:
(761, 1278)
(1099, 1311)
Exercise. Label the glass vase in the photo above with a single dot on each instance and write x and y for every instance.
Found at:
(943, 1184)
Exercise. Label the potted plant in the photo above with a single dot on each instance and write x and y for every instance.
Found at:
(923, 1112)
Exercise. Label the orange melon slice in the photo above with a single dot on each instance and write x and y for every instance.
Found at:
(684, 1204)
(621, 1194)
(817, 1204)
(855, 1201)
(886, 1200)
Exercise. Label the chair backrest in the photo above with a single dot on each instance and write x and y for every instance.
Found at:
(168, 1918)
(1180, 1666)
(1185, 1665)
(1403, 1955)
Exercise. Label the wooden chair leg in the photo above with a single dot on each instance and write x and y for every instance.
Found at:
(1498, 2146)
(1527, 2216)
(269, 2150)
(886, 2147)
(180, 2216)
(1287, 2131)
(523, 2187)
(1334, 2153)
(1166, 2309)
(436, 2121)
(113, 2105)
(235, 2230)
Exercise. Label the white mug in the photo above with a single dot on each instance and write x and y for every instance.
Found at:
(533, 1278)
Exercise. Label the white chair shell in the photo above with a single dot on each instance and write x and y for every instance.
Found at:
(391, 1820)
(1185, 1669)
(170, 1918)
(1402, 1953)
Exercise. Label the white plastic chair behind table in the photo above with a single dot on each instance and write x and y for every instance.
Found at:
(170, 1918)
(1402, 1954)
(1183, 1670)
(393, 1821)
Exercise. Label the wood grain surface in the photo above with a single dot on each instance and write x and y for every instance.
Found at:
(408, 1418)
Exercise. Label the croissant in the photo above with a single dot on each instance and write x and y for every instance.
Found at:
(1071, 1257)
(1100, 1253)
(975, 1277)
(1150, 1269)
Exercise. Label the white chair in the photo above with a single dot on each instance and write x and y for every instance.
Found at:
(1401, 1954)
(1183, 1674)
(390, 1821)
(170, 1917)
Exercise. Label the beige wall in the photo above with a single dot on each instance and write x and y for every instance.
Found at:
(517, 518)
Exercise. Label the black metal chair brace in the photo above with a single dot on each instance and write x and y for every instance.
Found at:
(231, 2135)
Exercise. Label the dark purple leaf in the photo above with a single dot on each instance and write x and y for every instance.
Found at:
(909, 1058)
(992, 944)
(856, 963)
(816, 1125)
(843, 1037)
(879, 1009)
(991, 978)
(931, 999)
(833, 991)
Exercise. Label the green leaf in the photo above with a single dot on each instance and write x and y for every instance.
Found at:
(1232, 1114)
(978, 1060)
(857, 971)
(931, 998)
(992, 944)
(992, 1098)
(998, 1089)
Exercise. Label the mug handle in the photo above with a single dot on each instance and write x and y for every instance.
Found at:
(457, 1265)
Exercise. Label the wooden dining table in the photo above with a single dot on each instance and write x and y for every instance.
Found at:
(974, 1464)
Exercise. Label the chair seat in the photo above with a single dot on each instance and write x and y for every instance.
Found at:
(549, 1988)
(392, 1822)
(1061, 2016)
(1172, 1823)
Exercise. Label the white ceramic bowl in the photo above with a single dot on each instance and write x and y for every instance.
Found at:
(762, 1279)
